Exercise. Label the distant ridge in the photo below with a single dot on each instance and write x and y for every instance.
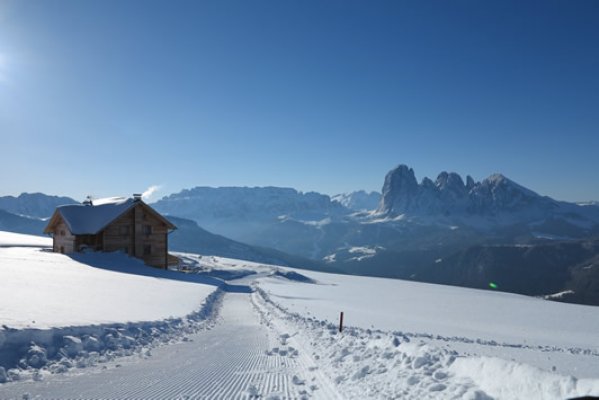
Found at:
(36, 205)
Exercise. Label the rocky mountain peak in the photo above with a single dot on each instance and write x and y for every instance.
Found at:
(496, 179)
(399, 189)
(450, 181)
(448, 195)
(469, 183)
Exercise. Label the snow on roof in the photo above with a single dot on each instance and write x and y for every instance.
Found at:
(90, 219)
(109, 200)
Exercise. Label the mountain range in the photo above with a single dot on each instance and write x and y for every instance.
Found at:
(448, 230)
(495, 201)
(33, 205)
(359, 200)
(29, 214)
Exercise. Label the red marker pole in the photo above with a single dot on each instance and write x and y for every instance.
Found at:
(341, 322)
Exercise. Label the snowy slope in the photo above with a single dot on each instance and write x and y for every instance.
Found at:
(41, 289)
(47, 290)
(407, 306)
(280, 340)
(89, 306)
(11, 239)
(22, 224)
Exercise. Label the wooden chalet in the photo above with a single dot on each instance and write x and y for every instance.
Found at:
(127, 225)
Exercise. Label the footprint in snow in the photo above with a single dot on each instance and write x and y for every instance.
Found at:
(437, 387)
(252, 392)
(297, 381)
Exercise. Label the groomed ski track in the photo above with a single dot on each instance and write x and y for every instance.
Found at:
(239, 358)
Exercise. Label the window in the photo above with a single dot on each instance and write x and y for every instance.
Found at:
(62, 249)
(147, 249)
(125, 250)
(124, 230)
(62, 233)
(147, 229)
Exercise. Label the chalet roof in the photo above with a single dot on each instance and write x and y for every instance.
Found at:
(85, 219)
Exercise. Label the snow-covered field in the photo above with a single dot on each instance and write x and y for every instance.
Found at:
(449, 311)
(11, 239)
(275, 335)
(87, 303)
(416, 340)
(42, 290)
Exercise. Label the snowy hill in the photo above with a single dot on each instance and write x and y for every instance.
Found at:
(272, 332)
(20, 224)
(55, 290)
(430, 337)
(35, 205)
(89, 302)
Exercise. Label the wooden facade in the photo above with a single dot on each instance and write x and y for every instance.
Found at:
(63, 241)
(140, 232)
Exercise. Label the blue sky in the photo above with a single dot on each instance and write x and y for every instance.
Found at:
(111, 97)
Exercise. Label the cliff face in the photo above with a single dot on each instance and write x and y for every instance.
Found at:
(449, 195)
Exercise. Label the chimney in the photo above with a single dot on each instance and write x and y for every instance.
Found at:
(136, 196)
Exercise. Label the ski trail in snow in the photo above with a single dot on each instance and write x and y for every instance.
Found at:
(240, 358)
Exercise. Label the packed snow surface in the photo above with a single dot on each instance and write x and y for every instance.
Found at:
(240, 358)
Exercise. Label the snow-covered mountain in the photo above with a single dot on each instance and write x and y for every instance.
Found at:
(449, 195)
(496, 200)
(359, 200)
(414, 221)
(35, 205)
(244, 213)
(249, 203)
(16, 223)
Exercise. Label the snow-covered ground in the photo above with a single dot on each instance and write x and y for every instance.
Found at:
(276, 336)
(449, 311)
(11, 239)
(42, 290)
(53, 305)
(412, 340)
